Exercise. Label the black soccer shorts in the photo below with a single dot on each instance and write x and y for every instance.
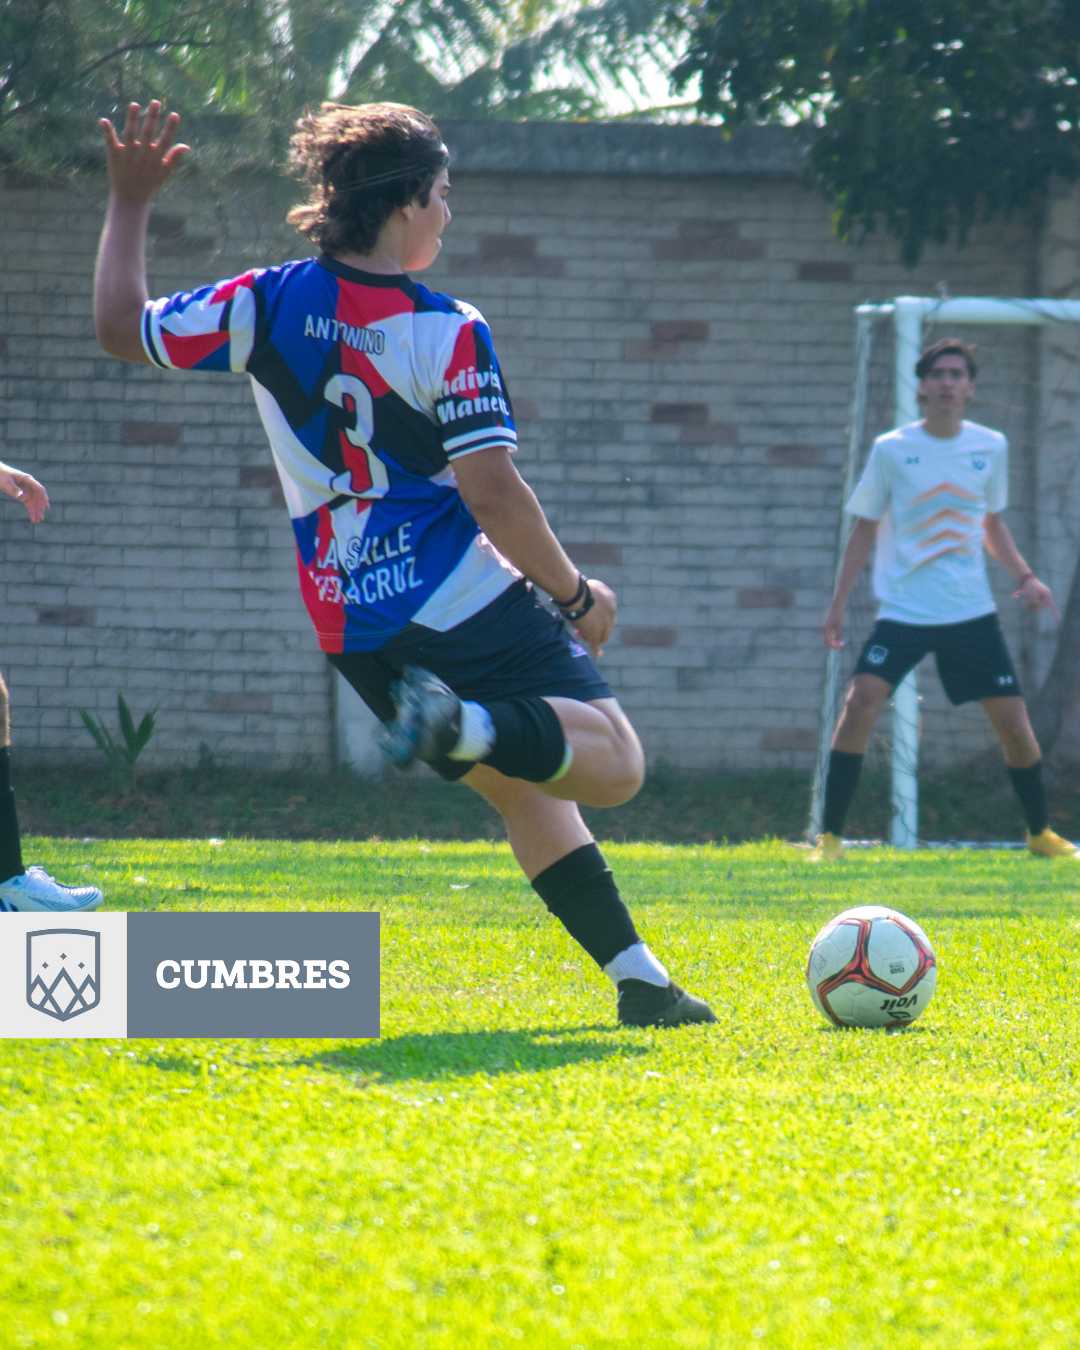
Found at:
(972, 659)
(513, 648)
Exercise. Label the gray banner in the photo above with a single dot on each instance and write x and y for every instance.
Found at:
(253, 975)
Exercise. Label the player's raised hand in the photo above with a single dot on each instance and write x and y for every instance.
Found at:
(26, 489)
(138, 163)
(1036, 596)
(832, 630)
(596, 627)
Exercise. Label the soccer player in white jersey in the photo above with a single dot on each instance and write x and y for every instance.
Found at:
(27, 889)
(418, 543)
(931, 497)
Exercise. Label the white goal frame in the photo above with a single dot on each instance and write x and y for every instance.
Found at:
(908, 313)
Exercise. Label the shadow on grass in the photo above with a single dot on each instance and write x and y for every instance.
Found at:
(466, 1054)
(174, 1063)
(906, 1029)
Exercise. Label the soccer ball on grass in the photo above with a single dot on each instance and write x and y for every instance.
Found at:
(871, 967)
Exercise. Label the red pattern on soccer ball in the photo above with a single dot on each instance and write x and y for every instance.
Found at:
(857, 970)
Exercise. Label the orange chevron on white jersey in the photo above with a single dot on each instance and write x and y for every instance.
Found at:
(930, 497)
(946, 519)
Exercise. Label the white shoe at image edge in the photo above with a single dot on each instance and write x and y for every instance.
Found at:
(36, 890)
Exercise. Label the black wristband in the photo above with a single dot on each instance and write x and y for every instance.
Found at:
(583, 608)
(576, 598)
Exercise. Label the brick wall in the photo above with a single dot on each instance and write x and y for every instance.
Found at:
(678, 344)
(680, 351)
(164, 570)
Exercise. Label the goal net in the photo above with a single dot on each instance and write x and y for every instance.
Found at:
(1029, 378)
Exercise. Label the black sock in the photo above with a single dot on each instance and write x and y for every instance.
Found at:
(581, 892)
(529, 739)
(11, 863)
(1030, 788)
(840, 784)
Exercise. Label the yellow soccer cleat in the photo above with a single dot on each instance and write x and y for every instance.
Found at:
(1050, 845)
(829, 848)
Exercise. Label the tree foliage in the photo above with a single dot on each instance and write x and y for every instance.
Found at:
(64, 62)
(922, 116)
(240, 71)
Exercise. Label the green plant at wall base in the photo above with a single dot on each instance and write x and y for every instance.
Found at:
(121, 758)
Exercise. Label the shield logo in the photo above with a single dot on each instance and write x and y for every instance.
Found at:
(62, 967)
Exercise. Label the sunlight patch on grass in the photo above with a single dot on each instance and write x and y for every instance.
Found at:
(507, 1167)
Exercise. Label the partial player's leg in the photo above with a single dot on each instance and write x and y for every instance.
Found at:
(556, 852)
(1009, 718)
(509, 688)
(974, 664)
(1023, 759)
(28, 888)
(862, 707)
(607, 766)
(571, 749)
(891, 650)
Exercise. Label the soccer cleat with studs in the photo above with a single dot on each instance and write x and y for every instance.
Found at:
(34, 891)
(1051, 845)
(428, 721)
(652, 1005)
(829, 848)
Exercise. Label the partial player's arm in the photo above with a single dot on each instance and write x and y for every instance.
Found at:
(860, 542)
(138, 166)
(26, 489)
(998, 542)
(506, 509)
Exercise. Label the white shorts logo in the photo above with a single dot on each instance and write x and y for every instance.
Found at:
(876, 655)
(1004, 679)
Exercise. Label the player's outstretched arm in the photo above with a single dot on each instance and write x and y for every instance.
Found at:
(506, 509)
(26, 489)
(860, 542)
(139, 163)
(998, 542)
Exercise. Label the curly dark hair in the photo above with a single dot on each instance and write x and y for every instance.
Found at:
(361, 164)
(947, 347)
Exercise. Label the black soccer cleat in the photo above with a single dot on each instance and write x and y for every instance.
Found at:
(428, 721)
(648, 1005)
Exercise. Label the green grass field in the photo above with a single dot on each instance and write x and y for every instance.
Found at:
(506, 1167)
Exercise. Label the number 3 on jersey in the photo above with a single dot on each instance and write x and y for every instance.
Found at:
(365, 474)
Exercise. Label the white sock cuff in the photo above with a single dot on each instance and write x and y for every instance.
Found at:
(477, 737)
(637, 963)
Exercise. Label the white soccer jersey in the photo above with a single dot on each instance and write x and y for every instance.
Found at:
(930, 497)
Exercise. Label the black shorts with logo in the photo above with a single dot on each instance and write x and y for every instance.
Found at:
(513, 648)
(972, 659)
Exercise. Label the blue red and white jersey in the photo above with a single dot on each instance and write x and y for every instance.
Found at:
(369, 387)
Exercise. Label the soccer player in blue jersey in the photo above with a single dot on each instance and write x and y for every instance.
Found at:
(418, 543)
(27, 889)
